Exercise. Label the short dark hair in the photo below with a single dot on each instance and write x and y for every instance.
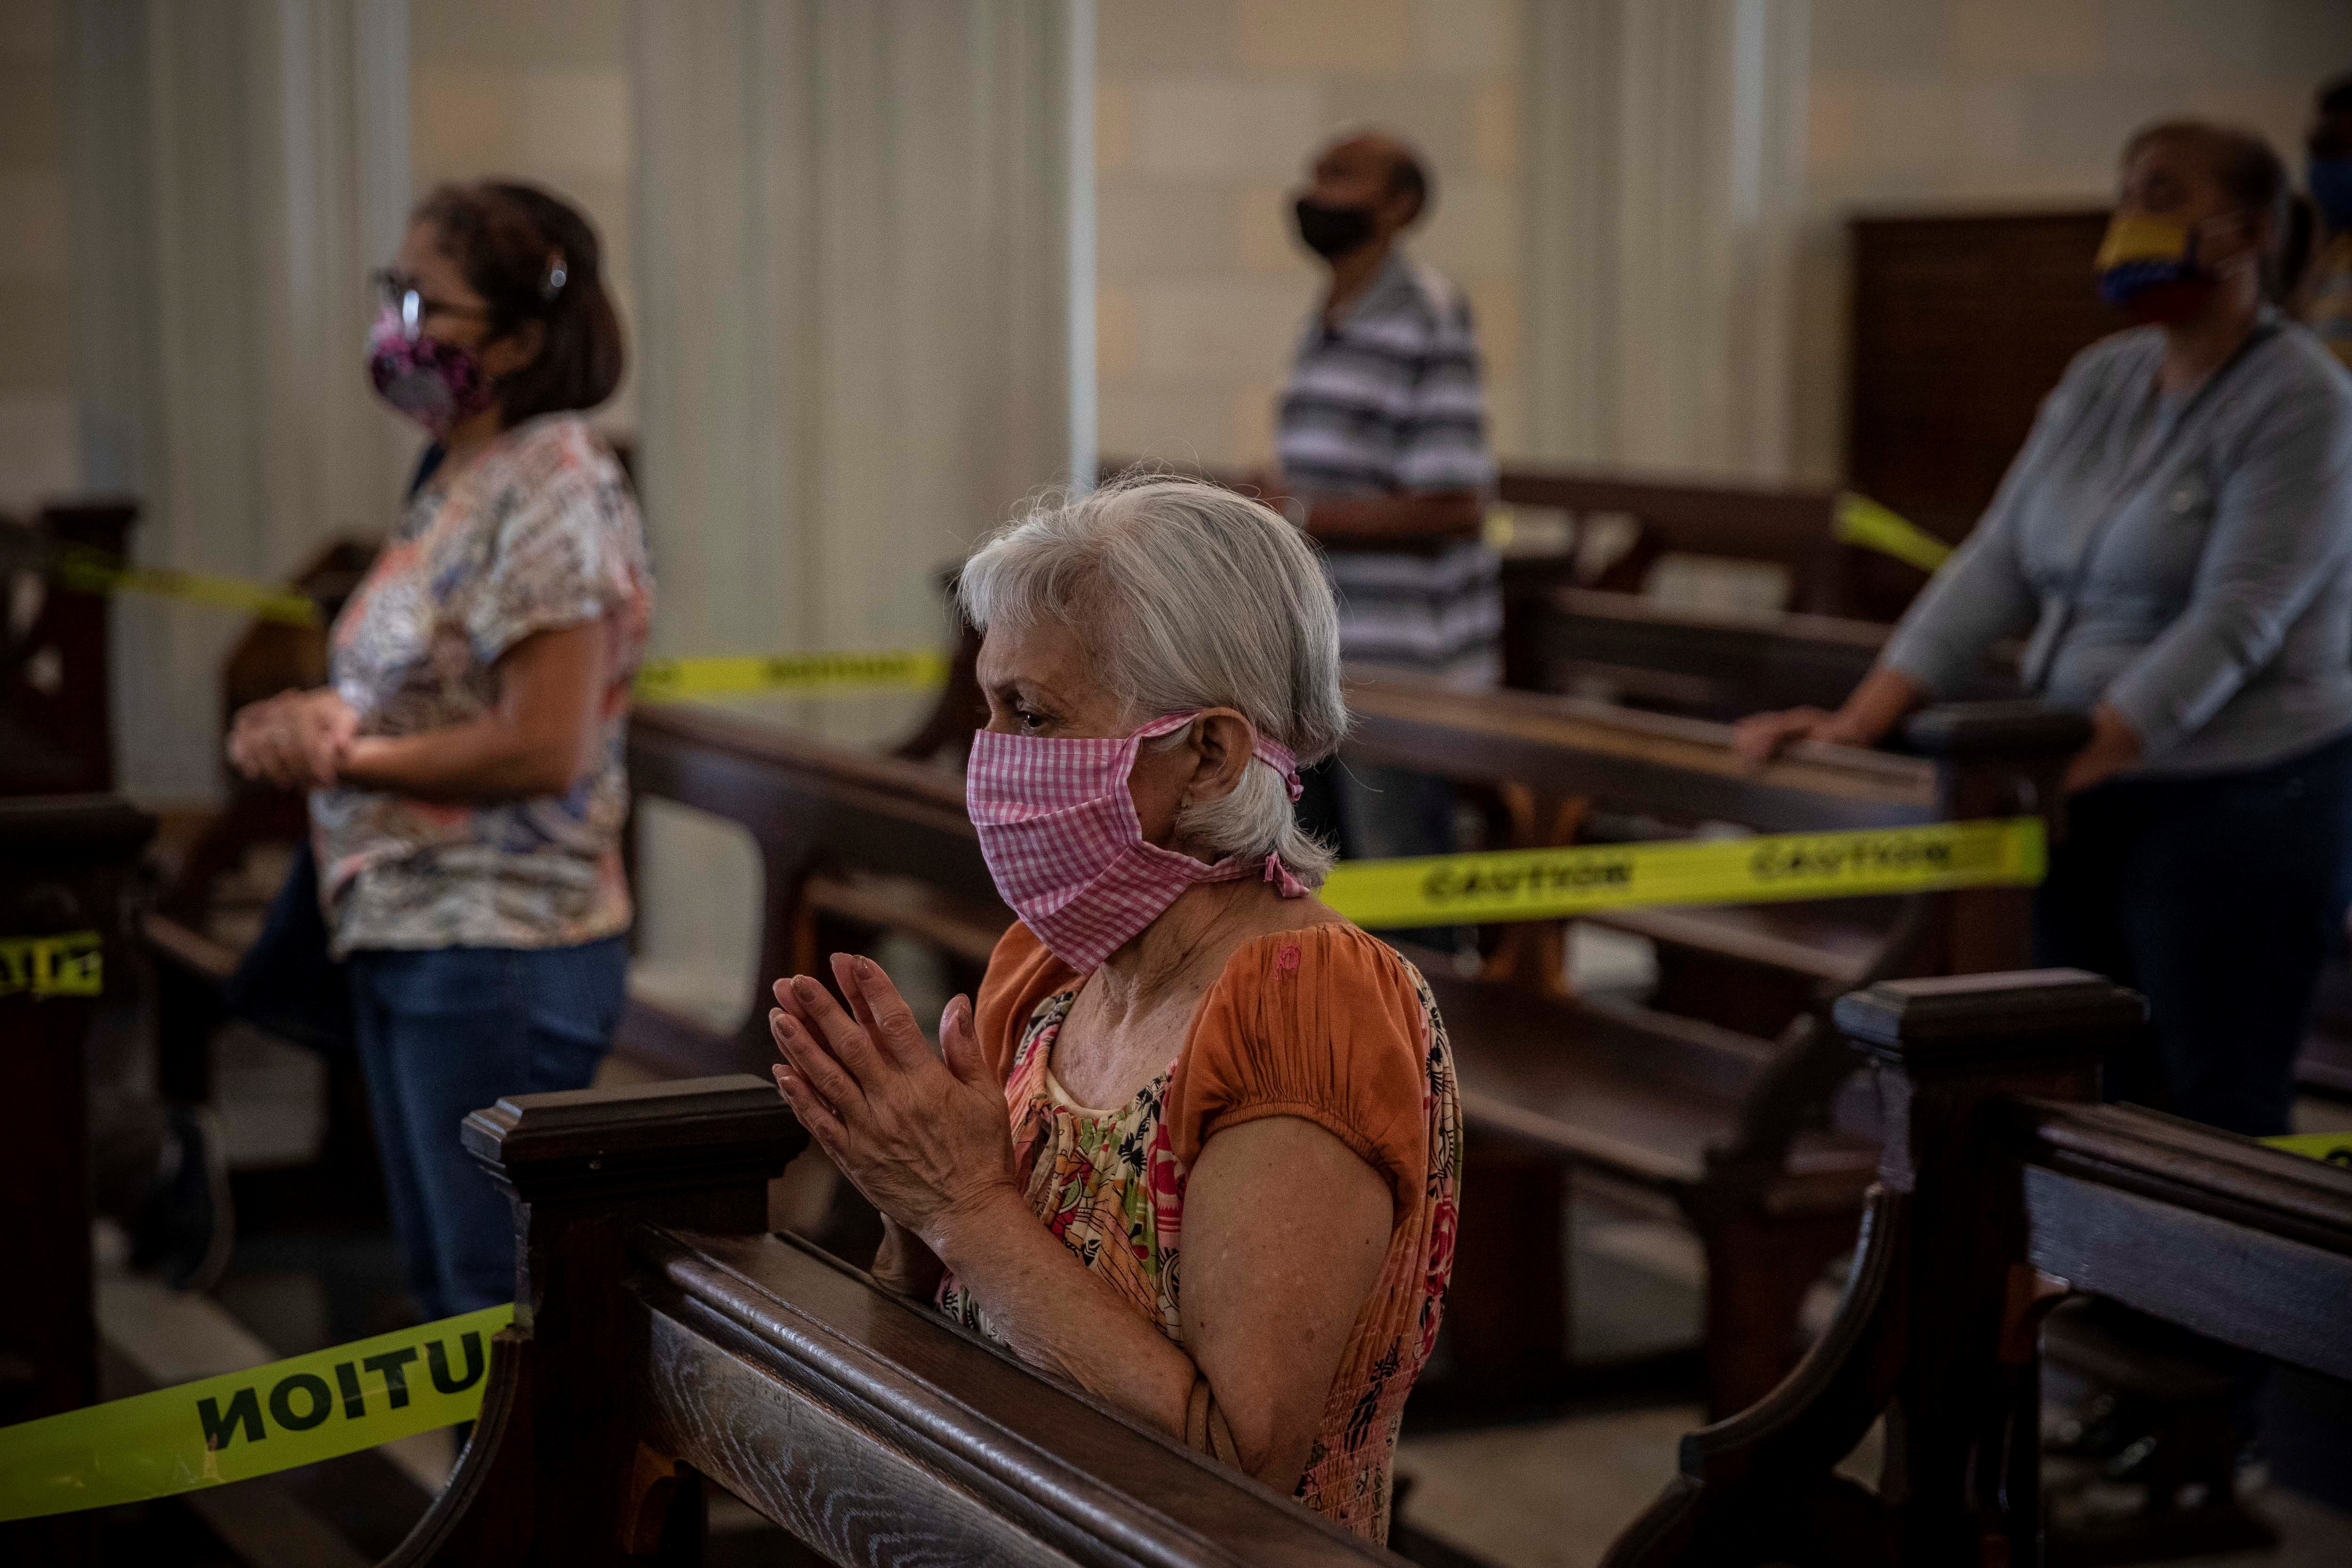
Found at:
(1408, 177)
(532, 257)
(2253, 175)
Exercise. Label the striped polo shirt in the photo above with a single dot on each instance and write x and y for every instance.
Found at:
(1390, 402)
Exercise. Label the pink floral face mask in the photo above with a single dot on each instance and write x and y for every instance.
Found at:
(437, 384)
(1058, 829)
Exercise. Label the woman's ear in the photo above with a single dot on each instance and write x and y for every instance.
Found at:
(1224, 744)
(516, 351)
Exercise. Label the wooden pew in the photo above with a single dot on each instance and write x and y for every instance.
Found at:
(1725, 1123)
(662, 1337)
(844, 838)
(2001, 1190)
(1786, 525)
(65, 866)
(1702, 663)
(57, 726)
(1728, 1125)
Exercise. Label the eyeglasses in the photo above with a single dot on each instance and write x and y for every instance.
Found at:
(398, 294)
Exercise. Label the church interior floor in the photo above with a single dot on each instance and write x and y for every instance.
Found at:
(1542, 1493)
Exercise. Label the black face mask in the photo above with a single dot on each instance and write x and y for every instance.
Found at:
(1331, 231)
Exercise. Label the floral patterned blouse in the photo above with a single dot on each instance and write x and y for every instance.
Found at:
(536, 534)
(1325, 1024)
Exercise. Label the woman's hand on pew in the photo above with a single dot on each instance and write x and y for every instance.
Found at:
(296, 740)
(928, 1142)
(1760, 737)
(1874, 707)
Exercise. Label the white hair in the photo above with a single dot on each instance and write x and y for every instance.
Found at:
(1187, 597)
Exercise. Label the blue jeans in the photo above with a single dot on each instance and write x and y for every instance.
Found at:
(443, 1032)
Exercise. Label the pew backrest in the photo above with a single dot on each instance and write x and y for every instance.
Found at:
(810, 808)
(2003, 1188)
(663, 1335)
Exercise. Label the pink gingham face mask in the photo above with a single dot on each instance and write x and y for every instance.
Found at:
(1062, 840)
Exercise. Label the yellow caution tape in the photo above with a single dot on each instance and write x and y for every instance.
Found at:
(1547, 884)
(2336, 1148)
(814, 674)
(1862, 520)
(95, 572)
(251, 1422)
(66, 965)
(658, 681)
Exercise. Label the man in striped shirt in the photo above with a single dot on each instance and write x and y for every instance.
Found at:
(1382, 446)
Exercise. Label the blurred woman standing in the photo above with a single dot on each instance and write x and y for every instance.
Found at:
(467, 760)
(2177, 533)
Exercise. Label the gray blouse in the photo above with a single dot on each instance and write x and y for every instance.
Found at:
(2187, 560)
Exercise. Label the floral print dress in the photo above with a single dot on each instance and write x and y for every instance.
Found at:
(1110, 1182)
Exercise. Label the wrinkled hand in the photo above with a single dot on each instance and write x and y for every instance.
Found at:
(297, 740)
(928, 1142)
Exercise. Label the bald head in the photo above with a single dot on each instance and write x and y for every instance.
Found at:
(1377, 171)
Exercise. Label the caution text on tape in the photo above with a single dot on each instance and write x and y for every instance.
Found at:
(1549, 884)
(251, 1422)
(64, 964)
(814, 674)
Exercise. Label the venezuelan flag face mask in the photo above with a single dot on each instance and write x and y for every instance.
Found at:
(2147, 266)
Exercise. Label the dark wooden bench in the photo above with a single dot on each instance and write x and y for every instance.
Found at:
(1703, 663)
(65, 863)
(663, 1337)
(57, 702)
(1731, 1121)
(2001, 1190)
(849, 844)
(1728, 1124)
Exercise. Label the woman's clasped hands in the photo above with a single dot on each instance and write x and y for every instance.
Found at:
(927, 1140)
(296, 740)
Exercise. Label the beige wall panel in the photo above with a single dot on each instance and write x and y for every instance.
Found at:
(1118, 337)
(1168, 422)
(1474, 38)
(36, 323)
(2028, 37)
(1222, 327)
(1324, 35)
(33, 240)
(1114, 129)
(32, 123)
(1220, 106)
(36, 447)
(1141, 36)
(1216, 125)
(574, 120)
(1160, 227)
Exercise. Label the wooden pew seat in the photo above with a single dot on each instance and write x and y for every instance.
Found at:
(1642, 1094)
(1831, 941)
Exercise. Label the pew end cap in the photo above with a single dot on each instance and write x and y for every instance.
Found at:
(642, 1137)
(2009, 726)
(1962, 1020)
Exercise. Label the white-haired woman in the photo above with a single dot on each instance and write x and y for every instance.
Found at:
(1198, 1058)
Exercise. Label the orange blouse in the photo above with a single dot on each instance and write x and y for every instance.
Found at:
(1325, 1024)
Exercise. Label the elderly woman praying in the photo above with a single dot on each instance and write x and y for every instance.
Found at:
(1178, 1052)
